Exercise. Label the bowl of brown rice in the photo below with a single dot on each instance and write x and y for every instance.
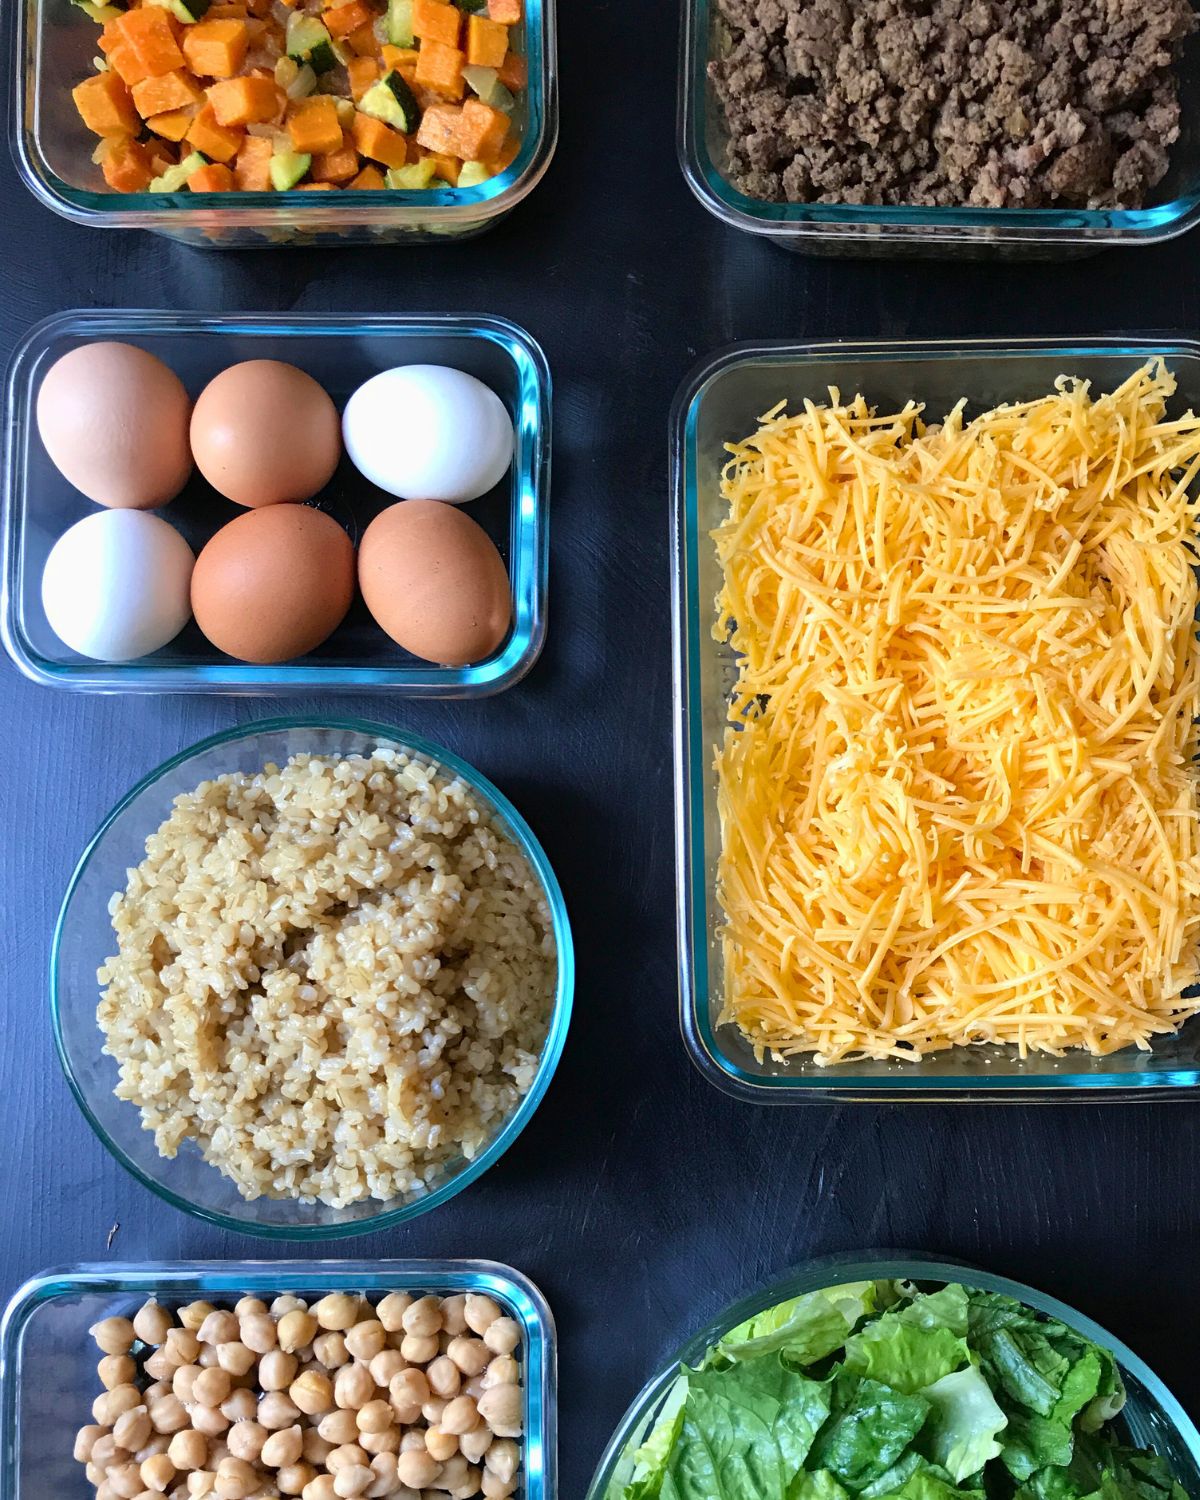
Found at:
(311, 978)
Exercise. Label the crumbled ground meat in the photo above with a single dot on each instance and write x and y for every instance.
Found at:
(951, 102)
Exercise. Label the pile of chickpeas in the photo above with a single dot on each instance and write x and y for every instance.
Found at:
(416, 1398)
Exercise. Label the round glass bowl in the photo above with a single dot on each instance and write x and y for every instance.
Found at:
(83, 939)
(1152, 1417)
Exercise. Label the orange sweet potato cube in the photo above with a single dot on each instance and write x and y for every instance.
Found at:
(217, 141)
(379, 142)
(341, 20)
(314, 126)
(439, 128)
(251, 100)
(174, 90)
(105, 106)
(252, 170)
(439, 68)
(487, 41)
(482, 130)
(446, 167)
(126, 166)
(173, 125)
(120, 56)
(362, 72)
(513, 72)
(215, 178)
(363, 42)
(403, 59)
(369, 178)
(151, 34)
(435, 21)
(505, 157)
(507, 12)
(216, 49)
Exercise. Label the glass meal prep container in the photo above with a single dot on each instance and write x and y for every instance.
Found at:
(851, 229)
(56, 43)
(48, 1361)
(340, 352)
(719, 402)
(1152, 1416)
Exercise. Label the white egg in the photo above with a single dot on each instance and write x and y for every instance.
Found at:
(428, 432)
(117, 585)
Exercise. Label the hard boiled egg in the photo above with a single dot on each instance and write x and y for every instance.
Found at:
(429, 432)
(116, 585)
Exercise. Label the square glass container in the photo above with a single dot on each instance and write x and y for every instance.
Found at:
(55, 43)
(721, 401)
(865, 230)
(48, 1362)
(340, 351)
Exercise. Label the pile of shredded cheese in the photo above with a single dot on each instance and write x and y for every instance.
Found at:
(957, 792)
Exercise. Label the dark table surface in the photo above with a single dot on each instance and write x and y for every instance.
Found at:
(639, 1198)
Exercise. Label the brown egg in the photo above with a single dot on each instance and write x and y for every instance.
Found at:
(273, 583)
(115, 423)
(264, 433)
(433, 580)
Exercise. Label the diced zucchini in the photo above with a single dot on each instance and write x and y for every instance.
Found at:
(399, 23)
(486, 83)
(323, 57)
(308, 41)
(101, 14)
(417, 174)
(472, 173)
(174, 179)
(472, 7)
(391, 100)
(287, 168)
(186, 11)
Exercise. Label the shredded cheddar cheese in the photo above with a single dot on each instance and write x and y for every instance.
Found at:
(957, 793)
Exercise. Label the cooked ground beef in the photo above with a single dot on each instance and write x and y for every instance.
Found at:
(951, 102)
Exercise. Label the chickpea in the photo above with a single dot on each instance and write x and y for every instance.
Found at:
(423, 1317)
(292, 1478)
(503, 1409)
(286, 1303)
(167, 1414)
(258, 1331)
(469, 1487)
(456, 1472)
(246, 1440)
(320, 1488)
(158, 1472)
(296, 1328)
(283, 1448)
(474, 1444)
(276, 1410)
(387, 1441)
(153, 1391)
(461, 1415)
(419, 1348)
(338, 1427)
(444, 1376)
(113, 1335)
(417, 1468)
(211, 1386)
(116, 1369)
(502, 1336)
(276, 1370)
(160, 1365)
(316, 1450)
(469, 1354)
(408, 1392)
(391, 1310)
(474, 1387)
(337, 1311)
(188, 1450)
(93, 1474)
(236, 1479)
(105, 1452)
(125, 1480)
(346, 1457)
(495, 1488)
(158, 1442)
(503, 1370)
(434, 1409)
(220, 1327)
(234, 1357)
(383, 1467)
(201, 1483)
(353, 1386)
(240, 1406)
(210, 1421)
(366, 1339)
(353, 1480)
(194, 1314)
(440, 1444)
(312, 1392)
(330, 1349)
(151, 1322)
(374, 1416)
(386, 1363)
(412, 1441)
(454, 1314)
(481, 1312)
(132, 1428)
(247, 1307)
(183, 1379)
(108, 1406)
(85, 1441)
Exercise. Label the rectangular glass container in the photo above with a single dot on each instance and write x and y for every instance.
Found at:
(865, 230)
(55, 44)
(721, 402)
(48, 1362)
(340, 351)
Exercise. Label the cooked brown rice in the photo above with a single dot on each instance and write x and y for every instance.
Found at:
(336, 977)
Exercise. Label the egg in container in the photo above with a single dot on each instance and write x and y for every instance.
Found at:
(341, 354)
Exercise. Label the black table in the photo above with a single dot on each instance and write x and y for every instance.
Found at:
(640, 1199)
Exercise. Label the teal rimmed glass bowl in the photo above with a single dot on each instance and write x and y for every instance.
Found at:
(83, 938)
(1153, 1418)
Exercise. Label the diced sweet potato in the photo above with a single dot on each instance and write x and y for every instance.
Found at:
(251, 100)
(151, 34)
(446, 167)
(215, 178)
(174, 125)
(126, 166)
(174, 90)
(216, 49)
(314, 126)
(487, 41)
(220, 142)
(439, 129)
(335, 166)
(252, 170)
(439, 68)
(505, 157)
(400, 58)
(379, 142)
(316, 187)
(363, 42)
(105, 106)
(369, 178)
(362, 71)
(435, 21)
(513, 72)
(507, 12)
(121, 56)
(482, 131)
(341, 20)
(160, 156)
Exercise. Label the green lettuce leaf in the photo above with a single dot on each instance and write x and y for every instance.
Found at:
(870, 1427)
(651, 1457)
(1101, 1469)
(960, 1435)
(809, 1327)
(818, 1484)
(915, 1344)
(928, 1482)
